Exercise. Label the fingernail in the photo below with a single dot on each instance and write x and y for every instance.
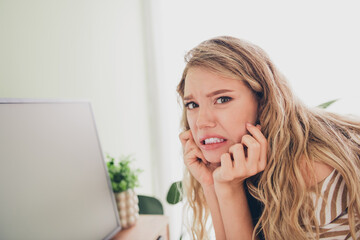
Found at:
(248, 124)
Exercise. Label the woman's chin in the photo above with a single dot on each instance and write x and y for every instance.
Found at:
(213, 166)
(213, 162)
(212, 159)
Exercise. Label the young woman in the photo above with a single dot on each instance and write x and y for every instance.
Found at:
(258, 160)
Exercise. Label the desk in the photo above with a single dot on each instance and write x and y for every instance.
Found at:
(147, 227)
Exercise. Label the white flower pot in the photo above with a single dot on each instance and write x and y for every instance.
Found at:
(128, 206)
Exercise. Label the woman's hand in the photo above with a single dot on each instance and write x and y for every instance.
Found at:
(236, 166)
(195, 160)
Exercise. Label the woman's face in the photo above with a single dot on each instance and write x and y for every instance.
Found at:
(218, 109)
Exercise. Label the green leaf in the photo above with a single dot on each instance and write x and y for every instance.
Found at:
(123, 185)
(174, 194)
(327, 104)
(122, 176)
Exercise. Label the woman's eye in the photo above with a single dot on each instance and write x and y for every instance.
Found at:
(223, 99)
(191, 105)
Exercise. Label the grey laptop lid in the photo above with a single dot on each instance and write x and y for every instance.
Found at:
(53, 178)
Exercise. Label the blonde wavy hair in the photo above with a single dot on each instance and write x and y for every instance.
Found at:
(293, 130)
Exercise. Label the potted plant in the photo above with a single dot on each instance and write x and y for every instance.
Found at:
(123, 181)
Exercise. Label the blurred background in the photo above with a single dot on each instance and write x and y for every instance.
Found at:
(126, 57)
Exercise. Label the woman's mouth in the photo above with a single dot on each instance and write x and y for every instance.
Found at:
(211, 143)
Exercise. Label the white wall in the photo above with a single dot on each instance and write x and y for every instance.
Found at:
(83, 49)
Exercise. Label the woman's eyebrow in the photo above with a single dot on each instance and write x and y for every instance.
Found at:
(188, 97)
(214, 93)
(221, 91)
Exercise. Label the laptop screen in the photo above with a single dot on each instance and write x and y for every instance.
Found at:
(53, 178)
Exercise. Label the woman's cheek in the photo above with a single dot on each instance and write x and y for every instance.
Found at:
(191, 123)
(240, 134)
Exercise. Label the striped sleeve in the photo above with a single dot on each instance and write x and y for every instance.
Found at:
(331, 209)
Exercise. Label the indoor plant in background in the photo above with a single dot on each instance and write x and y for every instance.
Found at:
(123, 181)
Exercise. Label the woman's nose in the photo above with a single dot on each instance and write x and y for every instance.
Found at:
(205, 118)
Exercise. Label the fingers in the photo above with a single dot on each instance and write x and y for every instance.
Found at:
(253, 147)
(226, 166)
(263, 144)
(185, 136)
(190, 146)
(230, 169)
(238, 164)
(238, 153)
(253, 154)
(191, 151)
(243, 160)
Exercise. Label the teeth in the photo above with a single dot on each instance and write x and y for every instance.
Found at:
(213, 140)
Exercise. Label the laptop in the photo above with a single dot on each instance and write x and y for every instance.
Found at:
(53, 178)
